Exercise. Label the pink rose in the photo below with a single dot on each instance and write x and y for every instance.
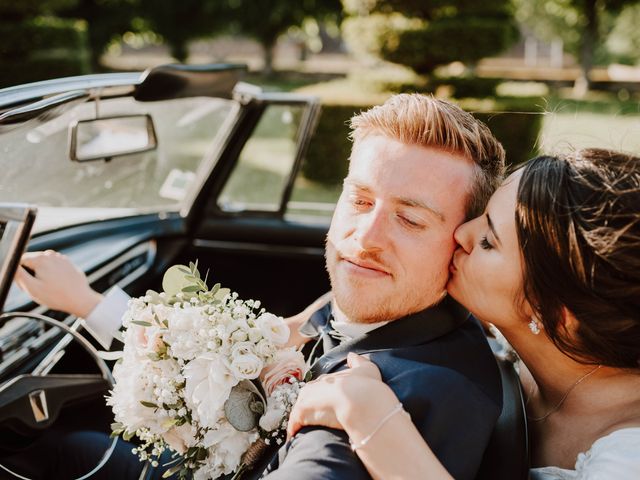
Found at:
(147, 339)
(288, 363)
(180, 438)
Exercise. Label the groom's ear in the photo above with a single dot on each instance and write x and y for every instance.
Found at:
(569, 321)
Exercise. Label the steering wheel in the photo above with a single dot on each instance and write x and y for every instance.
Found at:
(32, 402)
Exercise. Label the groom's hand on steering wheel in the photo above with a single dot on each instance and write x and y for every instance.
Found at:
(56, 283)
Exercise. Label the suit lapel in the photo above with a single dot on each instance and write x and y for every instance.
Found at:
(415, 329)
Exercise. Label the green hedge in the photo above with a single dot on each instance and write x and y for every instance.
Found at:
(462, 38)
(328, 153)
(465, 87)
(327, 157)
(516, 122)
(43, 48)
(459, 87)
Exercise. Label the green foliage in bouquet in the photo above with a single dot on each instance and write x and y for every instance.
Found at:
(181, 283)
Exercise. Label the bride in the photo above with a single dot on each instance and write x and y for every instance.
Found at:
(554, 264)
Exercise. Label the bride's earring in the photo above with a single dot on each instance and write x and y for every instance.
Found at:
(534, 326)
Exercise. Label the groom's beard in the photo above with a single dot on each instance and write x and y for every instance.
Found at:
(372, 300)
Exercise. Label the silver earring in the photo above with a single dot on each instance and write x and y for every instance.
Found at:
(534, 326)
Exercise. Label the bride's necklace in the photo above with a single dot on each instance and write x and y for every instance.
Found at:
(564, 397)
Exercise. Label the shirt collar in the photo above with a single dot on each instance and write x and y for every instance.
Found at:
(349, 330)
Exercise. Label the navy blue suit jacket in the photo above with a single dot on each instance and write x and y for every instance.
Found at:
(441, 368)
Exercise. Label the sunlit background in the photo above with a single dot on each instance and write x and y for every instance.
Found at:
(546, 75)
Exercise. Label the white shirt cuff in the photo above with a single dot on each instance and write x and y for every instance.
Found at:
(106, 318)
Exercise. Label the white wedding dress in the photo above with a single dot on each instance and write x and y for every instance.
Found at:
(613, 457)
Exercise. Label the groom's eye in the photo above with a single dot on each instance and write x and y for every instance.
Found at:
(360, 202)
(410, 222)
(411, 219)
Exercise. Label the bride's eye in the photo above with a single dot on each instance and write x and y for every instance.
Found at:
(484, 243)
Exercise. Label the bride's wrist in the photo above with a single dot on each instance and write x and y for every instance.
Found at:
(363, 415)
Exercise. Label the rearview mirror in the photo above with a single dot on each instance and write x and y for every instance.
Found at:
(108, 137)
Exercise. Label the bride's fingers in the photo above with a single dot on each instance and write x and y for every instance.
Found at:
(315, 406)
(298, 416)
(294, 424)
(363, 366)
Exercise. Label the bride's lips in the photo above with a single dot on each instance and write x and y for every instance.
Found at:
(364, 267)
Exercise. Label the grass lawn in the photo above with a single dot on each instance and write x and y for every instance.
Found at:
(562, 131)
(600, 121)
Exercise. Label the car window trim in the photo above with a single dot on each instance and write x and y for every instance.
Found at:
(260, 102)
(35, 109)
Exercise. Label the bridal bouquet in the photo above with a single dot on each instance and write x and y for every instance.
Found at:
(203, 374)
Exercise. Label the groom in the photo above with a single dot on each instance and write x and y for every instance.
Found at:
(419, 167)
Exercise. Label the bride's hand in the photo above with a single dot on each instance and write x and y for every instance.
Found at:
(335, 399)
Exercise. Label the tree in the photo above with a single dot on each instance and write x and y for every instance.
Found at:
(623, 43)
(423, 34)
(37, 45)
(266, 20)
(10, 10)
(108, 20)
(181, 21)
(583, 25)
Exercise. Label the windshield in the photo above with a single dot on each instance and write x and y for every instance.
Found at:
(36, 168)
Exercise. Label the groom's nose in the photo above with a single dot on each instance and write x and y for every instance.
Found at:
(371, 232)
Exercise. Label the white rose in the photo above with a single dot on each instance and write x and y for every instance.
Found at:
(211, 469)
(207, 387)
(134, 383)
(185, 319)
(265, 348)
(180, 438)
(273, 328)
(221, 332)
(286, 364)
(272, 418)
(239, 336)
(242, 348)
(246, 366)
(241, 324)
(147, 340)
(255, 335)
(226, 446)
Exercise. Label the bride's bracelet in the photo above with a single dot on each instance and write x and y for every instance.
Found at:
(365, 440)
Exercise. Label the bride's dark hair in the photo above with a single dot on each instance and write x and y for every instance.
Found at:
(578, 224)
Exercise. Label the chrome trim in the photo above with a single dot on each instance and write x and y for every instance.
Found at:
(39, 407)
(312, 206)
(259, 247)
(32, 110)
(307, 126)
(149, 246)
(218, 146)
(31, 91)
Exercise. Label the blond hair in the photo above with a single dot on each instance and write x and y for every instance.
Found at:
(423, 120)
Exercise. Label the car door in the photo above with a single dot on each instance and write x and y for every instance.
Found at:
(242, 228)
